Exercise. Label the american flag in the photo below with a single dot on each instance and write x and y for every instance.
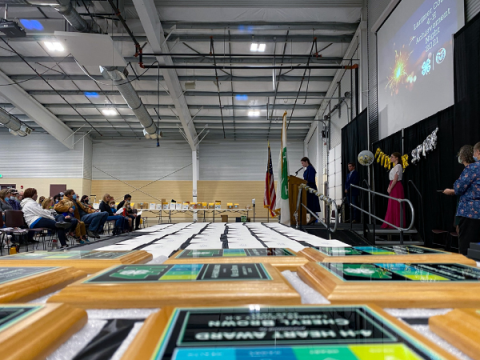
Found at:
(270, 198)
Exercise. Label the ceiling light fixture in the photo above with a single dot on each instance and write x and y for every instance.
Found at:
(255, 47)
(109, 112)
(54, 46)
(254, 113)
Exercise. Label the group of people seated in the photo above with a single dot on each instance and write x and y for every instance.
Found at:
(66, 213)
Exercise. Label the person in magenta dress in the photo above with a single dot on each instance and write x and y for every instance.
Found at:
(395, 189)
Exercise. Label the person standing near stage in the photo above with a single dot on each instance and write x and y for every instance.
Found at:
(313, 203)
(351, 192)
(395, 190)
(468, 188)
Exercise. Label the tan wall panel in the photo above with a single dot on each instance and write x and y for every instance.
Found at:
(241, 192)
(43, 184)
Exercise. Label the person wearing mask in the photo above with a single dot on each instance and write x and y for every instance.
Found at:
(131, 213)
(47, 204)
(4, 205)
(12, 199)
(56, 199)
(128, 221)
(41, 199)
(36, 217)
(395, 190)
(468, 188)
(351, 192)
(94, 219)
(313, 203)
(84, 200)
(119, 219)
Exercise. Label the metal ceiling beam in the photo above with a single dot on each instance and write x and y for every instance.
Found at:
(148, 15)
(181, 78)
(186, 93)
(258, 25)
(268, 59)
(163, 106)
(245, 38)
(44, 118)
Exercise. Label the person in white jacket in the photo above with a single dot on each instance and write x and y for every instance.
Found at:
(36, 217)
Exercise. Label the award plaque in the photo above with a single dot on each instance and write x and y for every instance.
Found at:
(88, 261)
(19, 284)
(461, 328)
(282, 259)
(395, 285)
(383, 254)
(356, 332)
(33, 331)
(151, 286)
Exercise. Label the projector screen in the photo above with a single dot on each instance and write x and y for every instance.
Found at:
(415, 61)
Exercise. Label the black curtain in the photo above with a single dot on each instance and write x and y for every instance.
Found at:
(467, 84)
(354, 140)
(437, 171)
(388, 145)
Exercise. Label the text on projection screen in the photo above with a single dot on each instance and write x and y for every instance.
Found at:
(415, 61)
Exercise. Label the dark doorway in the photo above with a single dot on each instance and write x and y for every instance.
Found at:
(7, 186)
(57, 189)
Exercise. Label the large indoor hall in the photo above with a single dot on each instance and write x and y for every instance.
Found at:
(239, 180)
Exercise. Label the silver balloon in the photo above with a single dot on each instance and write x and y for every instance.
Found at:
(366, 158)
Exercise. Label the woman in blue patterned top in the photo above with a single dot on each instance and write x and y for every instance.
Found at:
(468, 188)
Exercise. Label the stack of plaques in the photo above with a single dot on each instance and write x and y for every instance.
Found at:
(33, 331)
(150, 286)
(357, 332)
(395, 284)
(460, 327)
(282, 259)
(89, 261)
(383, 254)
(28, 283)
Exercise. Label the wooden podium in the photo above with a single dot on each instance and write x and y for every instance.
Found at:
(293, 184)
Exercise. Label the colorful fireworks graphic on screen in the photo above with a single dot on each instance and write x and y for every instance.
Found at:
(399, 74)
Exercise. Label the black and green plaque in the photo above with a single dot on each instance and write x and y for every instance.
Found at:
(68, 255)
(12, 314)
(181, 272)
(8, 274)
(403, 272)
(232, 253)
(287, 333)
(377, 250)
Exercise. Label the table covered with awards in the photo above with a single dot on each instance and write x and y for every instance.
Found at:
(397, 285)
(88, 261)
(381, 254)
(150, 286)
(282, 259)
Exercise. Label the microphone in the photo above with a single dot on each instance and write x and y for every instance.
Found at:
(296, 172)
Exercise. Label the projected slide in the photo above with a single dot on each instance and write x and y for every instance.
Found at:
(415, 61)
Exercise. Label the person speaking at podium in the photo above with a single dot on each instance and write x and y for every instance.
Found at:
(313, 203)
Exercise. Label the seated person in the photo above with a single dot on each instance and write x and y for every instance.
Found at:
(41, 199)
(4, 205)
(131, 213)
(119, 219)
(93, 218)
(12, 199)
(36, 217)
(47, 204)
(128, 221)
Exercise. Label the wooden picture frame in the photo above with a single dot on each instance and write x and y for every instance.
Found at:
(88, 261)
(28, 283)
(151, 286)
(380, 285)
(157, 331)
(282, 259)
(461, 328)
(334, 255)
(36, 333)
